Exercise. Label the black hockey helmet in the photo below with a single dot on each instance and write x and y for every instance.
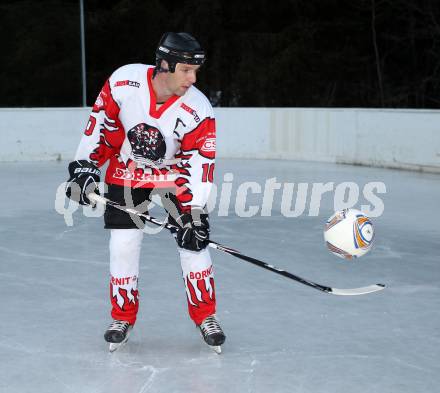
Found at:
(178, 48)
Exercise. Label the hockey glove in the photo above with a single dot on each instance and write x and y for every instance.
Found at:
(84, 179)
(193, 232)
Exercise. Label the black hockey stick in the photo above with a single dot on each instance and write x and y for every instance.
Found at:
(334, 291)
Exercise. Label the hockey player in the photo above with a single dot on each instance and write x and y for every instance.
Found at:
(148, 122)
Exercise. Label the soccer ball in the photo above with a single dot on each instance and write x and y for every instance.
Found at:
(349, 233)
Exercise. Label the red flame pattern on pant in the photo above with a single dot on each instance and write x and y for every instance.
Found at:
(200, 307)
(124, 306)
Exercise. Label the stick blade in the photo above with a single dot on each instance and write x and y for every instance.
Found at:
(357, 291)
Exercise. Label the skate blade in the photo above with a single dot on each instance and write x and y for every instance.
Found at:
(115, 346)
(217, 349)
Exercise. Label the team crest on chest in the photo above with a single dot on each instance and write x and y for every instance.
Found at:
(147, 143)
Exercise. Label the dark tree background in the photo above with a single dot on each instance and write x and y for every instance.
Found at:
(311, 53)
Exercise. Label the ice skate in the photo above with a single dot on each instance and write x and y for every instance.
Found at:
(117, 334)
(212, 333)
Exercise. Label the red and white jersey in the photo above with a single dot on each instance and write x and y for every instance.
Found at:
(146, 145)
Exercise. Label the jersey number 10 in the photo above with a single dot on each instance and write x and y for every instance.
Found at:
(208, 173)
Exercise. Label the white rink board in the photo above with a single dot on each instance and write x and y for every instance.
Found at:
(406, 139)
(40, 133)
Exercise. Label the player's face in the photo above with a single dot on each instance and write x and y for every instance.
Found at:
(183, 78)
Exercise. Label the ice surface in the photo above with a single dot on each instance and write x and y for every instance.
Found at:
(281, 336)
